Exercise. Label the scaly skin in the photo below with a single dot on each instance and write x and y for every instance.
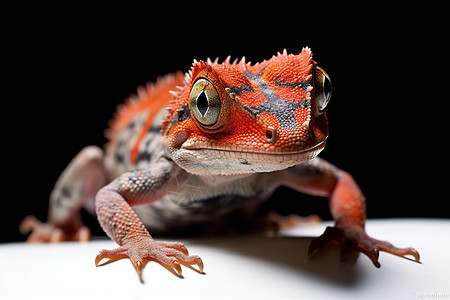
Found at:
(232, 133)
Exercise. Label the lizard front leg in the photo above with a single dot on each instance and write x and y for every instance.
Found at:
(348, 208)
(120, 222)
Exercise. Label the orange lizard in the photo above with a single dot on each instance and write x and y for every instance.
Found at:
(192, 148)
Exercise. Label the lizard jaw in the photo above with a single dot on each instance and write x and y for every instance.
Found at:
(232, 161)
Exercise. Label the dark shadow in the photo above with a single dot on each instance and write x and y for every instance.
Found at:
(291, 252)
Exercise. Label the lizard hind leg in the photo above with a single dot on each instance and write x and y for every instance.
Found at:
(76, 186)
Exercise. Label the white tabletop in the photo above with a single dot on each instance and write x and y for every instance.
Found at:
(248, 267)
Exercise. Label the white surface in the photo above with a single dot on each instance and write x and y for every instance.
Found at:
(238, 268)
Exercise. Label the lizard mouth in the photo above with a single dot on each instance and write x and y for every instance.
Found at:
(202, 157)
(256, 154)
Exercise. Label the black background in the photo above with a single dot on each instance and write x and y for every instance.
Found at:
(66, 74)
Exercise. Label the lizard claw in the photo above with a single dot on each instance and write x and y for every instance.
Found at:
(354, 240)
(169, 255)
(373, 256)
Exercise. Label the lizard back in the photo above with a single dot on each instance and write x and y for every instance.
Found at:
(134, 138)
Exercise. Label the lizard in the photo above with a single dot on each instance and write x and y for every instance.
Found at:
(194, 147)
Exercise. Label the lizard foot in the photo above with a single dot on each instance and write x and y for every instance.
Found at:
(49, 233)
(353, 239)
(140, 252)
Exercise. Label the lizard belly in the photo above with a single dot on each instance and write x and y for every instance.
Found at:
(202, 204)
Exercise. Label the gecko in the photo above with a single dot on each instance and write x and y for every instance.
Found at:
(192, 148)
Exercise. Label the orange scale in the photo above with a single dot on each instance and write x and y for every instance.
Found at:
(270, 120)
(302, 115)
(289, 93)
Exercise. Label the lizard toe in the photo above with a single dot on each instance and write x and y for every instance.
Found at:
(168, 254)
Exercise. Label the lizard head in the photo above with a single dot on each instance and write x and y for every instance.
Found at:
(238, 118)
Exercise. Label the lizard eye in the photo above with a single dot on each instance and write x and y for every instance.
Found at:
(205, 102)
(322, 86)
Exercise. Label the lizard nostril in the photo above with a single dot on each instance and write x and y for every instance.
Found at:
(271, 135)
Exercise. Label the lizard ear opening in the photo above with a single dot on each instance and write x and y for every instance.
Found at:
(322, 87)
